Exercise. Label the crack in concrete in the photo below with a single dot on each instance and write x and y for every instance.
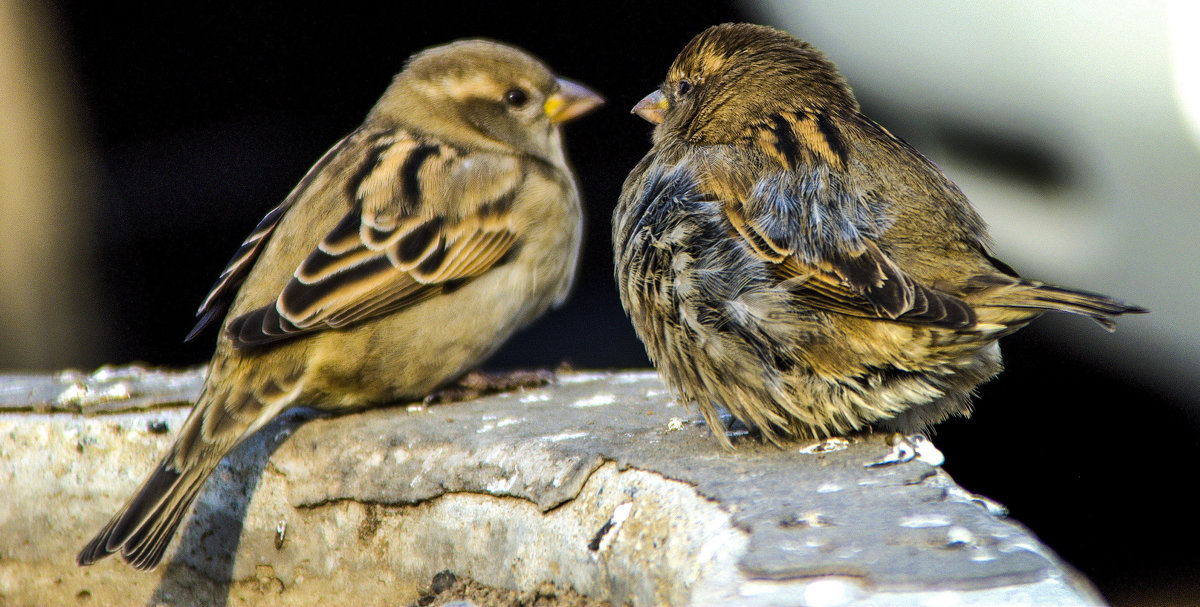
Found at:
(374, 503)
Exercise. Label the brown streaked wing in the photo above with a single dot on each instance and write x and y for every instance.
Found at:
(378, 261)
(871, 286)
(850, 274)
(223, 291)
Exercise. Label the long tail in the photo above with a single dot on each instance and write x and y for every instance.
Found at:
(143, 528)
(1020, 294)
(229, 410)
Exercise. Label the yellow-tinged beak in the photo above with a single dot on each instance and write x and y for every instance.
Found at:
(652, 108)
(570, 101)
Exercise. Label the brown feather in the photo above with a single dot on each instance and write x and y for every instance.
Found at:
(352, 292)
(785, 257)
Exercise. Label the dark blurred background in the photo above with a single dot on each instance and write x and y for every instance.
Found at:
(141, 145)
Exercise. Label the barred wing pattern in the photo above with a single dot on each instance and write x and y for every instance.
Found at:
(401, 241)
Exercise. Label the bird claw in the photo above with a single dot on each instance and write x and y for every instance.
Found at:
(907, 448)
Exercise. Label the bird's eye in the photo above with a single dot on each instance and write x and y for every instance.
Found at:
(684, 87)
(516, 97)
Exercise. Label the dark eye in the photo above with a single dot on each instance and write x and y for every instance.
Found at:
(684, 87)
(516, 97)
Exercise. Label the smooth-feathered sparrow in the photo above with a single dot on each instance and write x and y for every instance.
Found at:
(405, 256)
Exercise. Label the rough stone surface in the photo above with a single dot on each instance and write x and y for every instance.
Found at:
(600, 484)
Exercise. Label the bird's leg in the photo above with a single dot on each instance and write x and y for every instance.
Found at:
(478, 383)
(736, 428)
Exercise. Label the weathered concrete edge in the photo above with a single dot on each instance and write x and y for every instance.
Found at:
(668, 546)
(652, 556)
(329, 539)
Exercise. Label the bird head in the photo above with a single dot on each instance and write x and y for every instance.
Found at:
(480, 91)
(732, 75)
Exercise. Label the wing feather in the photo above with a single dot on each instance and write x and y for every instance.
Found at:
(399, 244)
(221, 294)
(818, 231)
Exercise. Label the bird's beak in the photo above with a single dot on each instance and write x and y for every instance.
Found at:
(652, 108)
(570, 101)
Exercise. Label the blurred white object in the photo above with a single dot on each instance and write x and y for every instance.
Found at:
(1107, 91)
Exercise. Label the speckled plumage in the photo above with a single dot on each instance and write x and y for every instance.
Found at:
(785, 257)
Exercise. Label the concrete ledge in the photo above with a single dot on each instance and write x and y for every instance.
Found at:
(600, 484)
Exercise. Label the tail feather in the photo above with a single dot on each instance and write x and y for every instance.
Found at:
(228, 410)
(143, 528)
(1042, 297)
(145, 547)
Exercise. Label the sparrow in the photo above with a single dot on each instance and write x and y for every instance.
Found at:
(405, 256)
(787, 258)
